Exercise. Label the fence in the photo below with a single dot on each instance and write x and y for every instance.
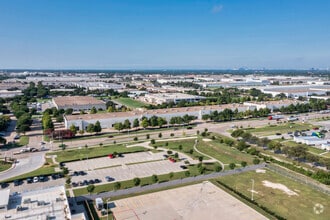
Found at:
(299, 178)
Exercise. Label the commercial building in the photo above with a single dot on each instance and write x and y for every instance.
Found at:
(10, 94)
(160, 98)
(78, 103)
(4, 200)
(311, 140)
(107, 120)
(272, 104)
(50, 203)
(295, 91)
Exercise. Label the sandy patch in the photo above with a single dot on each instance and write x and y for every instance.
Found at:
(206, 139)
(279, 186)
(260, 171)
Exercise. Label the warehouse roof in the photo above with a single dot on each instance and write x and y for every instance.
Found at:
(76, 100)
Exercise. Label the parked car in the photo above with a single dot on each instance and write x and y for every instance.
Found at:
(109, 179)
(90, 182)
(82, 173)
(85, 182)
(35, 179)
(74, 184)
(29, 180)
(97, 180)
(183, 167)
(4, 185)
(17, 137)
(33, 149)
(75, 173)
(18, 182)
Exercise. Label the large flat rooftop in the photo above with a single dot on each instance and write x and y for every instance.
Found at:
(76, 100)
(51, 202)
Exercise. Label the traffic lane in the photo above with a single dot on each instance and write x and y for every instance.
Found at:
(25, 165)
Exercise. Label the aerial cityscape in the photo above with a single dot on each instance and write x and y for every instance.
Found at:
(163, 110)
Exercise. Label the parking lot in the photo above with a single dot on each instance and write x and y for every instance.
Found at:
(24, 186)
(127, 172)
(105, 161)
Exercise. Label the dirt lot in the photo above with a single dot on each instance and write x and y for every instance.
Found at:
(200, 201)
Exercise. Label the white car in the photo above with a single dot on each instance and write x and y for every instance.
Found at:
(35, 179)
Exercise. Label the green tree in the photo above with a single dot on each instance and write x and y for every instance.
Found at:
(118, 126)
(187, 173)
(90, 188)
(73, 129)
(217, 168)
(160, 135)
(127, 124)
(97, 127)
(243, 163)
(154, 178)
(153, 141)
(136, 123)
(256, 161)
(117, 185)
(93, 110)
(90, 128)
(200, 158)
(147, 136)
(232, 166)
(136, 181)
(144, 123)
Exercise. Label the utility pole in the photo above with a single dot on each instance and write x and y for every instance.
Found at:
(252, 189)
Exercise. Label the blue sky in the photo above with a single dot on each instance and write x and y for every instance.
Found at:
(147, 34)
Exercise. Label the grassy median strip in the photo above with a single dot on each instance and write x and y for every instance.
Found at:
(42, 171)
(280, 128)
(93, 152)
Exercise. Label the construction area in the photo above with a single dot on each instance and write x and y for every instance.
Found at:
(189, 202)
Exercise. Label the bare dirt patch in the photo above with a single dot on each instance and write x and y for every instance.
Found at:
(279, 186)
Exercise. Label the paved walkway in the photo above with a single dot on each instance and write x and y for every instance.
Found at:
(157, 186)
(195, 148)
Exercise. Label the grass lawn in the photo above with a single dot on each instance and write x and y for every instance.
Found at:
(224, 153)
(4, 166)
(310, 149)
(326, 155)
(83, 153)
(280, 128)
(130, 103)
(193, 169)
(24, 140)
(300, 206)
(186, 144)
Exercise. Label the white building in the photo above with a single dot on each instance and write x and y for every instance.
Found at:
(10, 94)
(50, 203)
(160, 98)
(311, 140)
(4, 200)
(107, 120)
(272, 104)
(78, 103)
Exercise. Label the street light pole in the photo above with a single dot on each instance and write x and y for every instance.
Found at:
(252, 188)
(108, 208)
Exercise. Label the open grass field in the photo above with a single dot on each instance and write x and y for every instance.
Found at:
(224, 153)
(84, 153)
(280, 128)
(130, 103)
(290, 200)
(187, 145)
(193, 169)
(326, 155)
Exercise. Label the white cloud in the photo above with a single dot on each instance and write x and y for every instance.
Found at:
(217, 9)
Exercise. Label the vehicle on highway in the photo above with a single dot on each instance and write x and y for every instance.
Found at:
(292, 118)
(35, 179)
